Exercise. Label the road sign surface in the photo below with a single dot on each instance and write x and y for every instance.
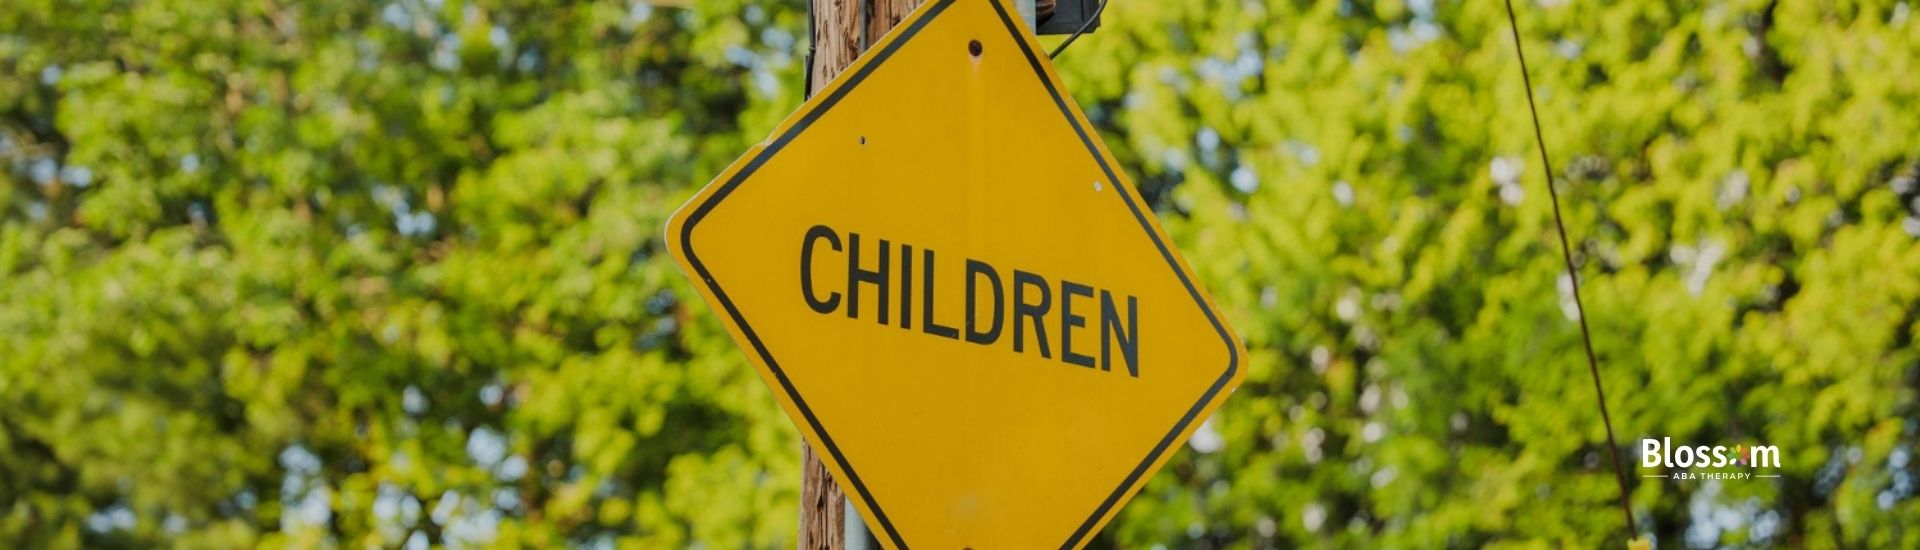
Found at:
(956, 293)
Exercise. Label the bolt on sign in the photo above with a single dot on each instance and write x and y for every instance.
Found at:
(956, 293)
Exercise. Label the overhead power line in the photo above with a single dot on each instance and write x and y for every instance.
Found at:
(1573, 273)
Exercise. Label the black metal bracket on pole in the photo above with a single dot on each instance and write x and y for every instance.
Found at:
(1069, 16)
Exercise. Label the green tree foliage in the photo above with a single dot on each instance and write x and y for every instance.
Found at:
(1358, 185)
(280, 272)
(296, 273)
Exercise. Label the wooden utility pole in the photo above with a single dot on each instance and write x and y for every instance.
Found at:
(842, 29)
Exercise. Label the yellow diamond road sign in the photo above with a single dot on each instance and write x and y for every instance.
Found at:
(956, 293)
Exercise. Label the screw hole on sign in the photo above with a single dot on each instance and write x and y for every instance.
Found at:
(973, 47)
(1096, 185)
(863, 140)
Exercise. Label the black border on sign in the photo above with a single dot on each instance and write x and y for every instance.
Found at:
(693, 218)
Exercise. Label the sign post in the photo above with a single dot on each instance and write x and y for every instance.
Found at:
(974, 319)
